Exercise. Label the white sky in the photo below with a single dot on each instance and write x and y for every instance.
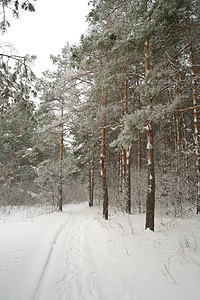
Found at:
(47, 30)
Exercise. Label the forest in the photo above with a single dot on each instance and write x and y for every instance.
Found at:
(116, 123)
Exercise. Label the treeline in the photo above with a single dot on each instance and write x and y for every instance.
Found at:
(119, 113)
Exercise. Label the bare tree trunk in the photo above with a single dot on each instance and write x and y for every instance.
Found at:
(15, 147)
(178, 151)
(60, 183)
(128, 160)
(103, 162)
(89, 184)
(196, 126)
(139, 172)
(178, 161)
(122, 178)
(150, 204)
(128, 180)
(171, 141)
(118, 174)
(92, 184)
(186, 156)
(164, 157)
(123, 170)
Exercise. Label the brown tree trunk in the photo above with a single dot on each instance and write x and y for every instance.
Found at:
(91, 183)
(103, 162)
(178, 166)
(128, 180)
(196, 126)
(15, 147)
(128, 160)
(186, 156)
(118, 175)
(171, 141)
(60, 183)
(122, 160)
(139, 172)
(178, 151)
(150, 204)
(164, 158)
(123, 170)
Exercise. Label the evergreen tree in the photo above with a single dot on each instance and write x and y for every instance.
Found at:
(18, 125)
(58, 92)
(13, 7)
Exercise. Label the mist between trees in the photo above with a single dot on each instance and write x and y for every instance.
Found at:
(117, 123)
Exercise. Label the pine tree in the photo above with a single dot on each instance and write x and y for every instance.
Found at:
(15, 7)
(58, 92)
(18, 125)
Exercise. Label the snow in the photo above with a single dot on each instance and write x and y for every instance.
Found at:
(150, 177)
(76, 255)
(147, 127)
(149, 145)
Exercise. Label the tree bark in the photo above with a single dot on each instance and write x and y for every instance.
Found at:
(128, 160)
(186, 156)
(128, 180)
(15, 147)
(164, 157)
(178, 151)
(103, 162)
(196, 126)
(139, 172)
(150, 204)
(60, 183)
(91, 183)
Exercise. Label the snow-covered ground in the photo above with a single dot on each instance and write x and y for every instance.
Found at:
(76, 255)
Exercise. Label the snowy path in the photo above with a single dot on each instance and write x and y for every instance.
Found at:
(76, 255)
(69, 272)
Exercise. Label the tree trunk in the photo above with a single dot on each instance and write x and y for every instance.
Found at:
(118, 174)
(92, 184)
(128, 180)
(122, 179)
(178, 152)
(186, 156)
(60, 184)
(196, 127)
(164, 158)
(150, 204)
(89, 185)
(15, 147)
(103, 162)
(139, 172)
(128, 160)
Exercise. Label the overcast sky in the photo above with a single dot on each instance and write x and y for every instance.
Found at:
(47, 30)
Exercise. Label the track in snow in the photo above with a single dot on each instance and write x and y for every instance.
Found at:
(68, 273)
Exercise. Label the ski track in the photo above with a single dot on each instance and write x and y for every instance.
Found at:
(70, 254)
(58, 233)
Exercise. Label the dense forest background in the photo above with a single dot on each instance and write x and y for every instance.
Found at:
(116, 122)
